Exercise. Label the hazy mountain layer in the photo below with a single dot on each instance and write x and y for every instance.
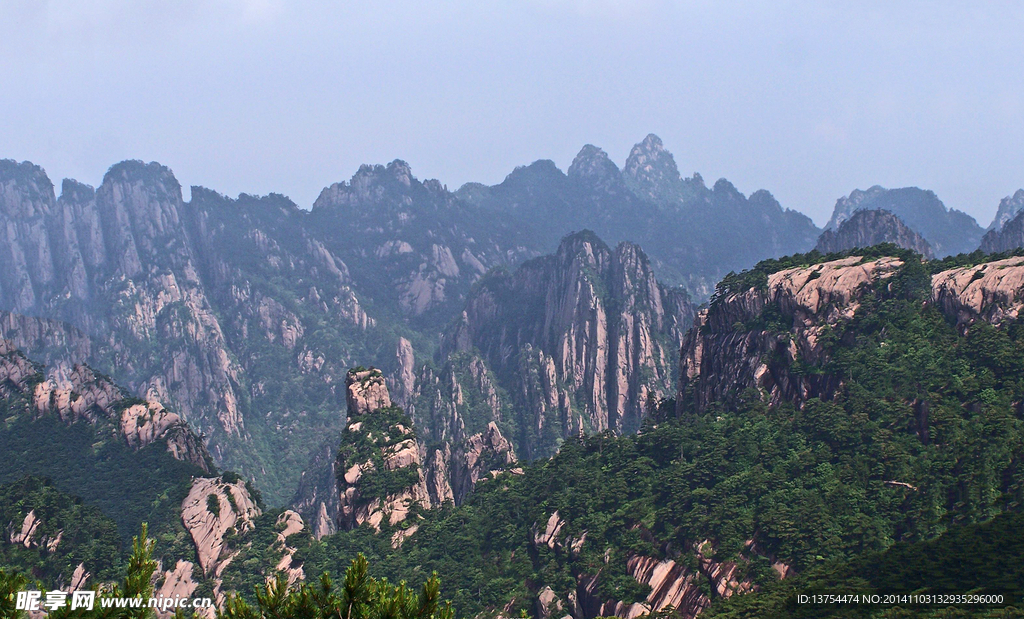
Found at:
(1006, 238)
(867, 228)
(948, 231)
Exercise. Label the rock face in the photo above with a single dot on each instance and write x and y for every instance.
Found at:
(1008, 209)
(385, 474)
(77, 393)
(289, 523)
(244, 314)
(675, 583)
(49, 341)
(582, 340)
(730, 349)
(872, 227)
(316, 498)
(365, 392)
(204, 305)
(948, 231)
(651, 170)
(1008, 237)
(212, 508)
(420, 246)
(991, 291)
(750, 339)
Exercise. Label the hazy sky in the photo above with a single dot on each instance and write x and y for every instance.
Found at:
(806, 99)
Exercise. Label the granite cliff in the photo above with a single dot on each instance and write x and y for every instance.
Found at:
(384, 475)
(770, 337)
(867, 228)
(582, 341)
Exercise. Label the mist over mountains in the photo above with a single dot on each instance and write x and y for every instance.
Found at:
(538, 388)
(244, 314)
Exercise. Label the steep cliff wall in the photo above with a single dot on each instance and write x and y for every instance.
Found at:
(214, 306)
(767, 338)
(751, 338)
(582, 341)
(383, 474)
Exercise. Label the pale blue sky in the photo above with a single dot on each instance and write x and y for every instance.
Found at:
(806, 99)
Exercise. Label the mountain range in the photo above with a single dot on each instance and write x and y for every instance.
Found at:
(293, 386)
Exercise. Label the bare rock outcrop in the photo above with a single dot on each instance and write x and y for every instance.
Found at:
(179, 582)
(991, 291)
(213, 508)
(289, 523)
(365, 391)
(731, 349)
(425, 242)
(381, 476)
(680, 582)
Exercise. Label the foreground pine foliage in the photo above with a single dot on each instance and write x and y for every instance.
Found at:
(359, 597)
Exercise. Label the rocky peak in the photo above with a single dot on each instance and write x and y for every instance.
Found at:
(652, 171)
(1010, 236)
(156, 177)
(585, 249)
(1008, 209)
(540, 171)
(214, 508)
(846, 206)
(763, 200)
(74, 191)
(590, 349)
(377, 184)
(872, 227)
(380, 478)
(724, 188)
(365, 391)
(401, 172)
(593, 168)
(25, 190)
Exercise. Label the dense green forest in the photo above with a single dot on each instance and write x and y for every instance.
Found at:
(981, 559)
(79, 533)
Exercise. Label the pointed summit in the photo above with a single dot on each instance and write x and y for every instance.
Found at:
(652, 170)
(1008, 209)
(593, 167)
